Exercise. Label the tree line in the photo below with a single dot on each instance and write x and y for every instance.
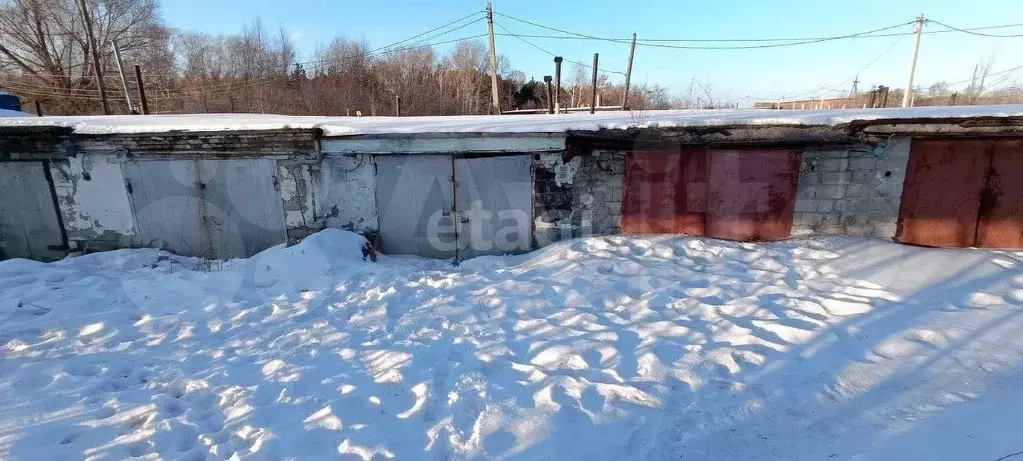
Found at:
(44, 57)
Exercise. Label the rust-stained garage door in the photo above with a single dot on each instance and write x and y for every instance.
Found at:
(963, 193)
(1000, 224)
(751, 193)
(741, 195)
(665, 192)
(941, 197)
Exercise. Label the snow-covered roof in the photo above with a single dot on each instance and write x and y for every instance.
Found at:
(551, 124)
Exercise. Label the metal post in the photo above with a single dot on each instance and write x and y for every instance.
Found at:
(95, 56)
(628, 74)
(593, 93)
(142, 90)
(124, 81)
(907, 95)
(550, 102)
(495, 100)
(557, 87)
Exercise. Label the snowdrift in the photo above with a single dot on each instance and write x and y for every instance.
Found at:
(639, 347)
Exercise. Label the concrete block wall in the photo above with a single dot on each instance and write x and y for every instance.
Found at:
(851, 191)
(579, 198)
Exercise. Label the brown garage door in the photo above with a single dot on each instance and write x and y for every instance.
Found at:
(963, 193)
(1001, 210)
(741, 195)
(941, 197)
(665, 192)
(751, 194)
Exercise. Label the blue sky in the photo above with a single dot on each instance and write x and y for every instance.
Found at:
(736, 75)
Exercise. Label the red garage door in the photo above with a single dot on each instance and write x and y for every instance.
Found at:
(665, 192)
(751, 194)
(1001, 207)
(963, 193)
(741, 195)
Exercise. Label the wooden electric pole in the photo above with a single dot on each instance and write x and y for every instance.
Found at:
(628, 74)
(397, 105)
(142, 90)
(496, 102)
(557, 84)
(124, 80)
(593, 93)
(907, 96)
(95, 56)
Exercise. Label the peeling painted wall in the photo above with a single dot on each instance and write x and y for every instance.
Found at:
(295, 181)
(577, 198)
(346, 193)
(94, 202)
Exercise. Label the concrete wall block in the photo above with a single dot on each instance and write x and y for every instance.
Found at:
(806, 192)
(868, 204)
(836, 177)
(825, 206)
(864, 163)
(806, 205)
(855, 190)
(897, 147)
(834, 164)
(808, 178)
(885, 230)
(808, 219)
(831, 192)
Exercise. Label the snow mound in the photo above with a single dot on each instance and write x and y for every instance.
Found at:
(623, 347)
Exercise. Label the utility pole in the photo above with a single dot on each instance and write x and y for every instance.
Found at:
(124, 81)
(142, 90)
(557, 84)
(95, 56)
(907, 95)
(855, 88)
(397, 105)
(628, 74)
(496, 109)
(550, 99)
(593, 94)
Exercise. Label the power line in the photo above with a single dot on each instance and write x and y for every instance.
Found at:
(691, 47)
(973, 31)
(512, 34)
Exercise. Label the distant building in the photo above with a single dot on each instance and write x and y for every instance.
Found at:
(809, 104)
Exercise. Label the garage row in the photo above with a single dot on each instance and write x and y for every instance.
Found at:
(952, 193)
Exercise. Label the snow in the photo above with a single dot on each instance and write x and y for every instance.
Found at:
(12, 113)
(638, 347)
(343, 126)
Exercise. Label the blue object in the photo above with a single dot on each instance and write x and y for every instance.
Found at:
(9, 102)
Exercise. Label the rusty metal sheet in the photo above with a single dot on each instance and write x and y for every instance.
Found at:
(648, 198)
(751, 193)
(1001, 210)
(665, 192)
(945, 180)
